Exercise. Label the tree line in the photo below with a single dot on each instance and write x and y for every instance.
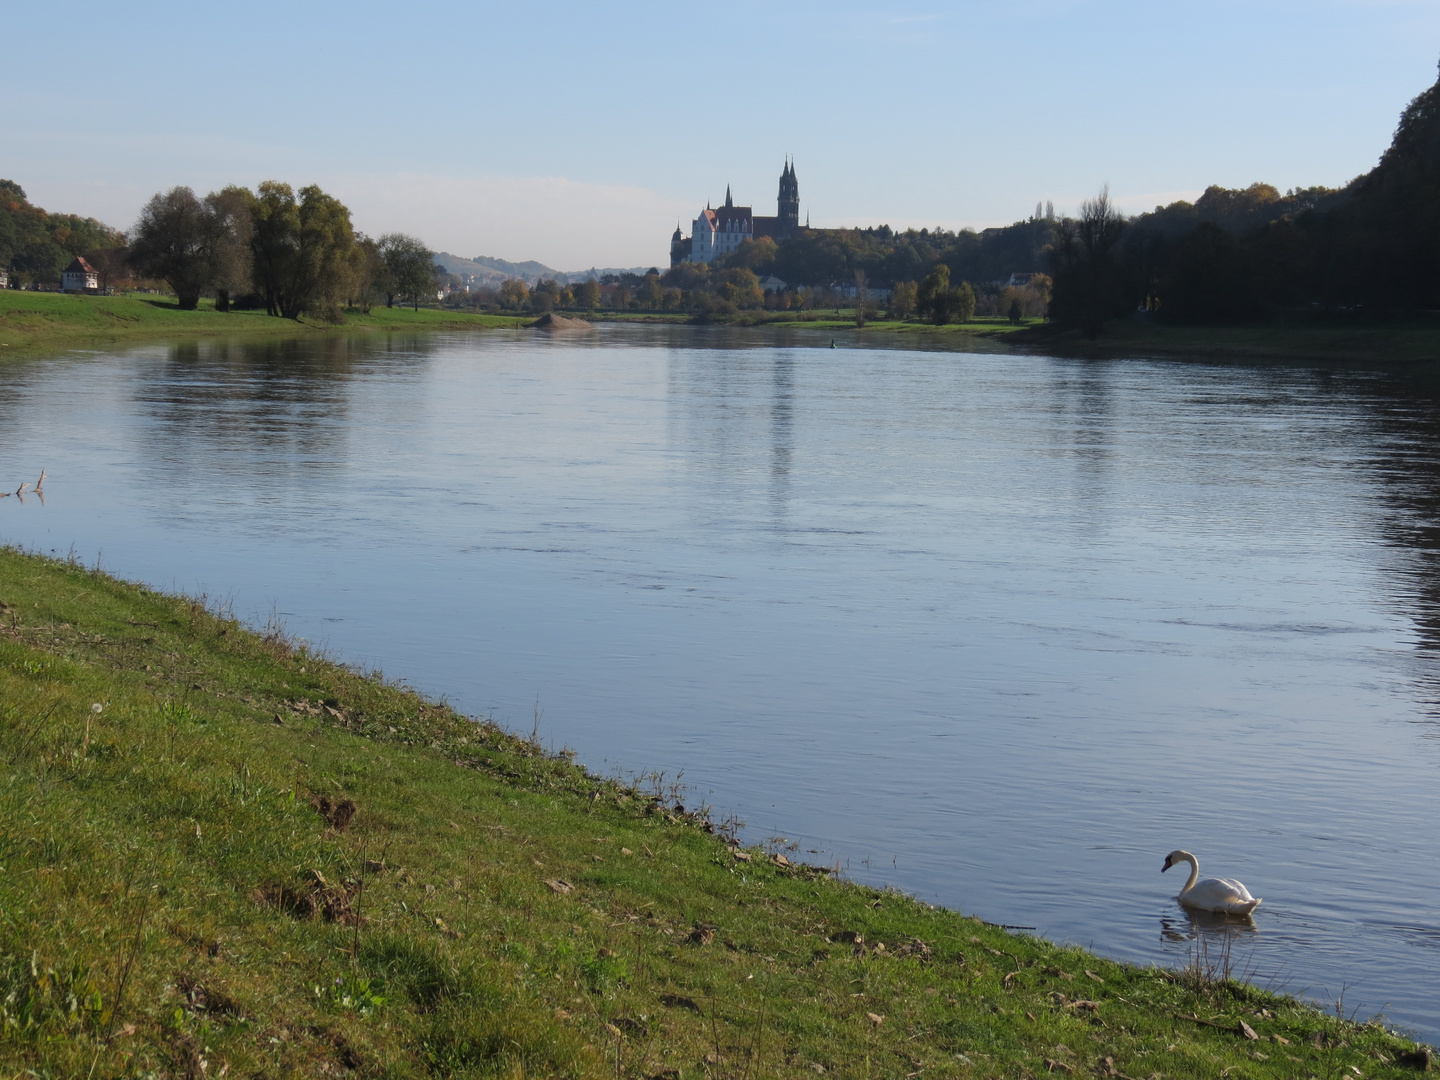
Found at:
(290, 252)
(1233, 255)
(36, 246)
(1370, 249)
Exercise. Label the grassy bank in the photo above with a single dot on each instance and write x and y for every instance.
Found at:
(1398, 342)
(223, 855)
(31, 321)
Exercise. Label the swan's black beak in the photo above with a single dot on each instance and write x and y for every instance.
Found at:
(1167, 865)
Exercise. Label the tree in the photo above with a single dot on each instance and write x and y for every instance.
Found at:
(546, 296)
(651, 294)
(587, 294)
(904, 298)
(302, 250)
(410, 268)
(932, 289)
(367, 274)
(740, 287)
(963, 302)
(231, 230)
(1088, 283)
(514, 293)
(175, 241)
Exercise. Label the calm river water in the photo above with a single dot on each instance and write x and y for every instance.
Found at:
(998, 630)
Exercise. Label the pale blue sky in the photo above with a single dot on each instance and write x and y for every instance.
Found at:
(577, 133)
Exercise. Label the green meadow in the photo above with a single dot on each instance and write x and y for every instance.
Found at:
(36, 321)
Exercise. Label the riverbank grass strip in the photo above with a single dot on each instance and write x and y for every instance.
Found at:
(31, 321)
(224, 855)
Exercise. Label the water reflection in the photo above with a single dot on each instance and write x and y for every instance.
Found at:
(782, 431)
(1190, 925)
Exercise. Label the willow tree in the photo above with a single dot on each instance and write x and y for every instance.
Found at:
(303, 250)
(409, 267)
(195, 246)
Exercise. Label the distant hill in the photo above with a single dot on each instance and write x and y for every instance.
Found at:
(485, 270)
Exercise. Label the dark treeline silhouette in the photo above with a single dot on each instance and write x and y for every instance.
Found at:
(1371, 248)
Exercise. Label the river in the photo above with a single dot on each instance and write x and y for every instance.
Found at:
(998, 630)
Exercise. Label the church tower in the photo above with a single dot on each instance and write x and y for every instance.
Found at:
(788, 208)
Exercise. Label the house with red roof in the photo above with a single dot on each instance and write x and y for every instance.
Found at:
(79, 276)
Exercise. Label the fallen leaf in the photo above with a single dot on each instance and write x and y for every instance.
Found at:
(1091, 975)
(556, 885)
(1280, 1039)
(1248, 1031)
(626, 851)
(561, 1014)
(875, 1018)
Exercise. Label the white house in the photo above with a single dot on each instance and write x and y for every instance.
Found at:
(79, 276)
(4, 279)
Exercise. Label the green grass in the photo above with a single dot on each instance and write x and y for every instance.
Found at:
(1399, 341)
(183, 894)
(32, 321)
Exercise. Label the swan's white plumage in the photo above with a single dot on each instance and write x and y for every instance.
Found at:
(1224, 895)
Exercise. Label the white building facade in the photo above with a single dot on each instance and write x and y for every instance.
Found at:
(79, 276)
(720, 231)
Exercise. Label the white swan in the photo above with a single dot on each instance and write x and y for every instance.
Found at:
(1213, 894)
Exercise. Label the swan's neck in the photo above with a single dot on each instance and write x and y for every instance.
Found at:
(1194, 871)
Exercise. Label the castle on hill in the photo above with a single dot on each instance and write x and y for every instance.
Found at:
(720, 231)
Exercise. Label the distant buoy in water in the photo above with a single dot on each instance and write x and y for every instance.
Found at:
(832, 343)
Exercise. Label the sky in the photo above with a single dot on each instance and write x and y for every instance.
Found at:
(579, 134)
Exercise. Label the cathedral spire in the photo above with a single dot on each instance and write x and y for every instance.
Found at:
(728, 201)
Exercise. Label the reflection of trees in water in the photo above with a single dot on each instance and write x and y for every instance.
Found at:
(213, 405)
(782, 434)
(1405, 462)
